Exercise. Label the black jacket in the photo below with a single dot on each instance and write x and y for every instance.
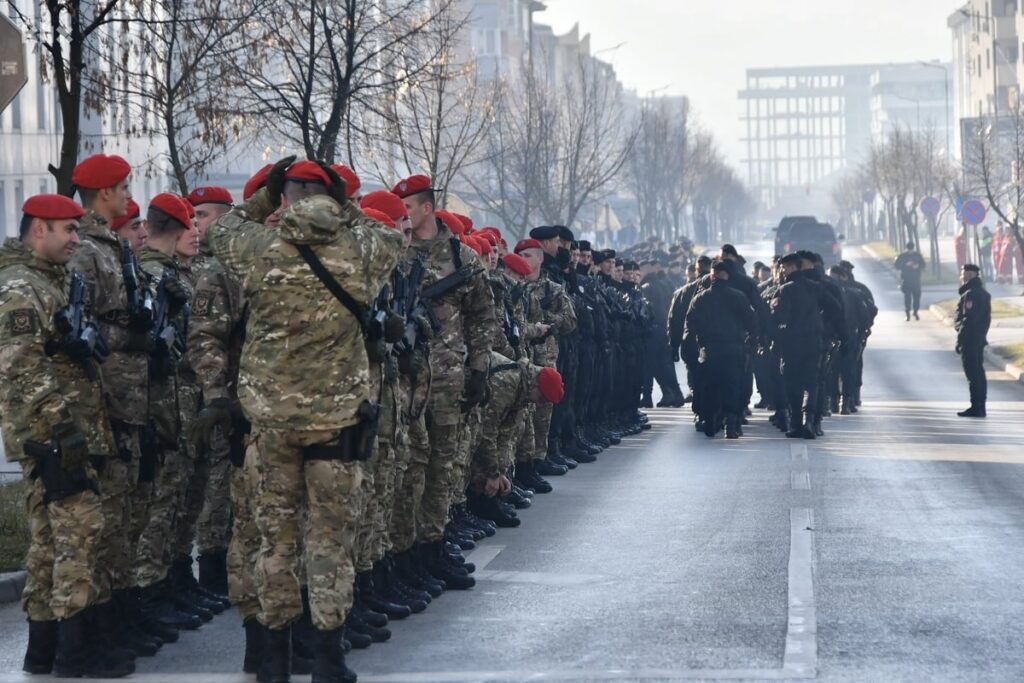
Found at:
(973, 315)
(719, 317)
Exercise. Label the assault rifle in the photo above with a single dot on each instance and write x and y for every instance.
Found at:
(140, 299)
(169, 341)
(80, 338)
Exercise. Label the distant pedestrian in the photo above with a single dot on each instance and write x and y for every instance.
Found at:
(910, 264)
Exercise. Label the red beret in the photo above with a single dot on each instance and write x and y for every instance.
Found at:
(52, 207)
(386, 202)
(210, 195)
(121, 221)
(174, 206)
(523, 245)
(466, 220)
(258, 180)
(472, 244)
(379, 216)
(453, 223)
(412, 185)
(352, 182)
(307, 172)
(489, 236)
(517, 264)
(100, 171)
(550, 384)
(485, 246)
(490, 230)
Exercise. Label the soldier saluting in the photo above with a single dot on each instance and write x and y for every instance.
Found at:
(55, 426)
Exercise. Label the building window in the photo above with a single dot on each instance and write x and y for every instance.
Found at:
(19, 194)
(44, 186)
(16, 113)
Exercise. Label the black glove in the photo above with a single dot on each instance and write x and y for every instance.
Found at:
(216, 412)
(177, 295)
(74, 449)
(275, 180)
(338, 190)
(476, 389)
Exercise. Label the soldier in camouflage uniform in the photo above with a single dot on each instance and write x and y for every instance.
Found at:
(102, 182)
(304, 384)
(169, 220)
(216, 333)
(56, 427)
(548, 312)
(459, 353)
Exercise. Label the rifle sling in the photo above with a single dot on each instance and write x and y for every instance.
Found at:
(332, 285)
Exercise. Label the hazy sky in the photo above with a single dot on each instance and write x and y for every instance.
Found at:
(702, 48)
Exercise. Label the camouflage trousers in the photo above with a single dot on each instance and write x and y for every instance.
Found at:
(444, 431)
(154, 552)
(526, 446)
(460, 468)
(410, 480)
(213, 530)
(117, 480)
(193, 493)
(364, 544)
(62, 552)
(541, 427)
(309, 507)
(244, 545)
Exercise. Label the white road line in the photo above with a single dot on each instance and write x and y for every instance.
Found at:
(798, 452)
(541, 578)
(801, 481)
(801, 658)
(483, 555)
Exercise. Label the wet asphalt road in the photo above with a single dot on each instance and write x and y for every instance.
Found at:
(890, 550)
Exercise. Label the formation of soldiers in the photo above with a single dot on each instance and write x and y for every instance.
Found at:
(329, 396)
(799, 330)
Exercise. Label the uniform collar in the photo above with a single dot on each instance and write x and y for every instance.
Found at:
(95, 225)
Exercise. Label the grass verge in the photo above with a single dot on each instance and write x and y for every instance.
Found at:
(14, 535)
(1000, 309)
(1012, 352)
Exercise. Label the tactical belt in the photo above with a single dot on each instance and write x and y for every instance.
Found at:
(115, 317)
(332, 285)
(502, 368)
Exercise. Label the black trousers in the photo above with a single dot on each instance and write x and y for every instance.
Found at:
(800, 375)
(722, 381)
(973, 359)
(911, 298)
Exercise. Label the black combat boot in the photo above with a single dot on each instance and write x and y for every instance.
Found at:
(303, 637)
(132, 634)
(816, 426)
(276, 666)
(186, 582)
(796, 426)
(424, 579)
(145, 624)
(646, 401)
(254, 646)
(78, 655)
(358, 623)
(157, 606)
(546, 468)
(488, 508)
(42, 647)
(373, 618)
(433, 560)
(391, 588)
(732, 427)
(374, 600)
(213, 573)
(556, 455)
(808, 429)
(516, 499)
(106, 632)
(329, 665)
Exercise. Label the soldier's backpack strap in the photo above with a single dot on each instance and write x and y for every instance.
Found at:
(505, 367)
(456, 246)
(332, 285)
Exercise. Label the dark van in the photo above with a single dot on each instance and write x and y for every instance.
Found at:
(805, 232)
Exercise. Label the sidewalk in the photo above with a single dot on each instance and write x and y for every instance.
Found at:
(1007, 328)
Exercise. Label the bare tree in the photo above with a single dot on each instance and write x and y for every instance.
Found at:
(68, 34)
(325, 59)
(657, 165)
(437, 123)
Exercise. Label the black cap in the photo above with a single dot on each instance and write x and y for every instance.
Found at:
(846, 264)
(600, 257)
(719, 265)
(564, 233)
(584, 245)
(703, 260)
(793, 257)
(970, 267)
(544, 232)
(729, 250)
(631, 265)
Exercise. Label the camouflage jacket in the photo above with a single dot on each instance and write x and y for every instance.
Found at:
(163, 391)
(124, 373)
(510, 382)
(39, 391)
(216, 329)
(466, 314)
(546, 302)
(509, 326)
(304, 366)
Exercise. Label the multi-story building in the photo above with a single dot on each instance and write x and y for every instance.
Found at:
(801, 125)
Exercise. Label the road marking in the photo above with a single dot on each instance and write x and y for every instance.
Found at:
(483, 555)
(798, 452)
(801, 656)
(801, 481)
(540, 578)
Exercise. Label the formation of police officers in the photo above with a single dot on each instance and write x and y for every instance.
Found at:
(329, 395)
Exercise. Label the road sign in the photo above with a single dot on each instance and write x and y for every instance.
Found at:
(930, 206)
(13, 65)
(868, 197)
(972, 212)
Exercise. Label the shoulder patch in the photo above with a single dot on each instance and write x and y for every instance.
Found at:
(201, 304)
(22, 321)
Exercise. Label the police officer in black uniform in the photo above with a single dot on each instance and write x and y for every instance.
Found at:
(973, 317)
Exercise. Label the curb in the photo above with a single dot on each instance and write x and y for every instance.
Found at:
(993, 358)
(11, 586)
